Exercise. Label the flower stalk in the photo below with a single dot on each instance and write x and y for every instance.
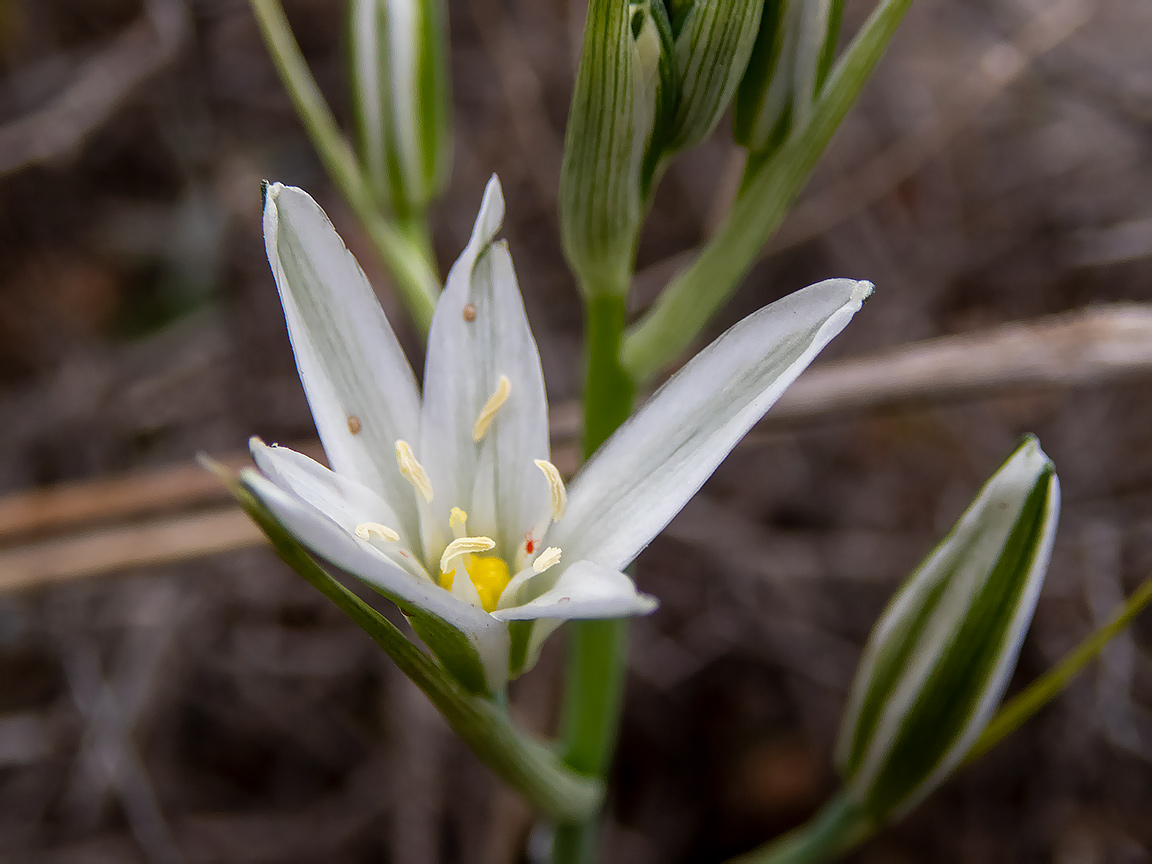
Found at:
(1023, 706)
(597, 650)
(838, 827)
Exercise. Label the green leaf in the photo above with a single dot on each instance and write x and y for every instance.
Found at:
(521, 761)
(940, 656)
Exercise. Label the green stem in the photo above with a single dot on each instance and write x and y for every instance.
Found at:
(1024, 705)
(594, 688)
(415, 274)
(830, 833)
(608, 391)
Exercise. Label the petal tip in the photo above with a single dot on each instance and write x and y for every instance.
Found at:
(862, 290)
(647, 604)
(1030, 454)
(491, 215)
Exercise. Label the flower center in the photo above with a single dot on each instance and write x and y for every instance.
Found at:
(488, 573)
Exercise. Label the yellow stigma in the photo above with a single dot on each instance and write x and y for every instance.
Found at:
(488, 573)
(412, 470)
(365, 530)
(548, 558)
(555, 488)
(488, 412)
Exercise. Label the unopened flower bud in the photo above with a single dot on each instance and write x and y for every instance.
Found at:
(714, 40)
(939, 658)
(401, 98)
(624, 89)
(792, 57)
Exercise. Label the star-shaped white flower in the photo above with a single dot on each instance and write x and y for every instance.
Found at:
(448, 504)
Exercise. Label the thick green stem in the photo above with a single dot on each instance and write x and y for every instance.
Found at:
(594, 688)
(830, 833)
(608, 391)
(413, 270)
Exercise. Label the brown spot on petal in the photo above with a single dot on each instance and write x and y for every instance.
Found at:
(470, 313)
(354, 425)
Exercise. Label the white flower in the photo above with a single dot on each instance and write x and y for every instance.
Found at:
(448, 504)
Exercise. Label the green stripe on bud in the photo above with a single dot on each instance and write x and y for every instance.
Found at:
(714, 40)
(623, 89)
(939, 658)
(399, 63)
(790, 62)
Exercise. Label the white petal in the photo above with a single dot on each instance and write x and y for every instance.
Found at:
(344, 501)
(359, 385)
(478, 334)
(361, 559)
(463, 588)
(652, 465)
(584, 590)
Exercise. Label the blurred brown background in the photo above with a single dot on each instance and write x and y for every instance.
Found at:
(213, 709)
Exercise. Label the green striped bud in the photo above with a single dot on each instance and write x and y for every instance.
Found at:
(624, 88)
(714, 40)
(789, 64)
(400, 94)
(939, 658)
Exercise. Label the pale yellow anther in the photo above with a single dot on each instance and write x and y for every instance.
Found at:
(488, 412)
(457, 520)
(464, 546)
(548, 558)
(412, 470)
(555, 487)
(365, 531)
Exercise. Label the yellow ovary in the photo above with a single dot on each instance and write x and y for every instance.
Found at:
(488, 573)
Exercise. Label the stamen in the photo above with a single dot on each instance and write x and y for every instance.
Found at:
(457, 519)
(556, 487)
(464, 546)
(412, 470)
(548, 558)
(488, 412)
(365, 530)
